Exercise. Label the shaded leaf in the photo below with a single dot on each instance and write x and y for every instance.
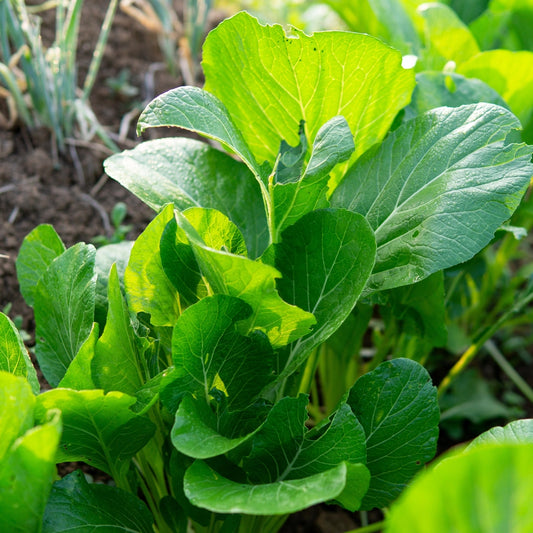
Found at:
(397, 407)
(325, 260)
(77, 506)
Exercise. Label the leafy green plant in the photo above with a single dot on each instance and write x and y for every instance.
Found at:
(181, 363)
(41, 84)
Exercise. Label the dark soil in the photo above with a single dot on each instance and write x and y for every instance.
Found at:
(72, 193)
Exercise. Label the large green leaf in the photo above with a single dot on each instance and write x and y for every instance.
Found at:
(98, 429)
(325, 260)
(437, 189)
(285, 458)
(197, 433)
(148, 289)
(64, 310)
(436, 89)
(282, 449)
(270, 81)
(14, 357)
(189, 173)
(206, 488)
(116, 364)
(291, 200)
(208, 352)
(253, 282)
(487, 489)
(27, 457)
(518, 431)
(198, 110)
(511, 75)
(77, 506)
(397, 407)
(39, 248)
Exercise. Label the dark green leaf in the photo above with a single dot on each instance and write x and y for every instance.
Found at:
(397, 407)
(209, 352)
(76, 506)
(436, 89)
(325, 259)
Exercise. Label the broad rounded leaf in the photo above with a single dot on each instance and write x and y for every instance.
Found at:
(272, 81)
(76, 506)
(398, 409)
(325, 260)
(437, 189)
(209, 352)
(487, 488)
(208, 489)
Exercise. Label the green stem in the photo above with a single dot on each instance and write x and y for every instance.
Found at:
(309, 371)
(512, 374)
(377, 526)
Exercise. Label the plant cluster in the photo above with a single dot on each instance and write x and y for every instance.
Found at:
(181, 363)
